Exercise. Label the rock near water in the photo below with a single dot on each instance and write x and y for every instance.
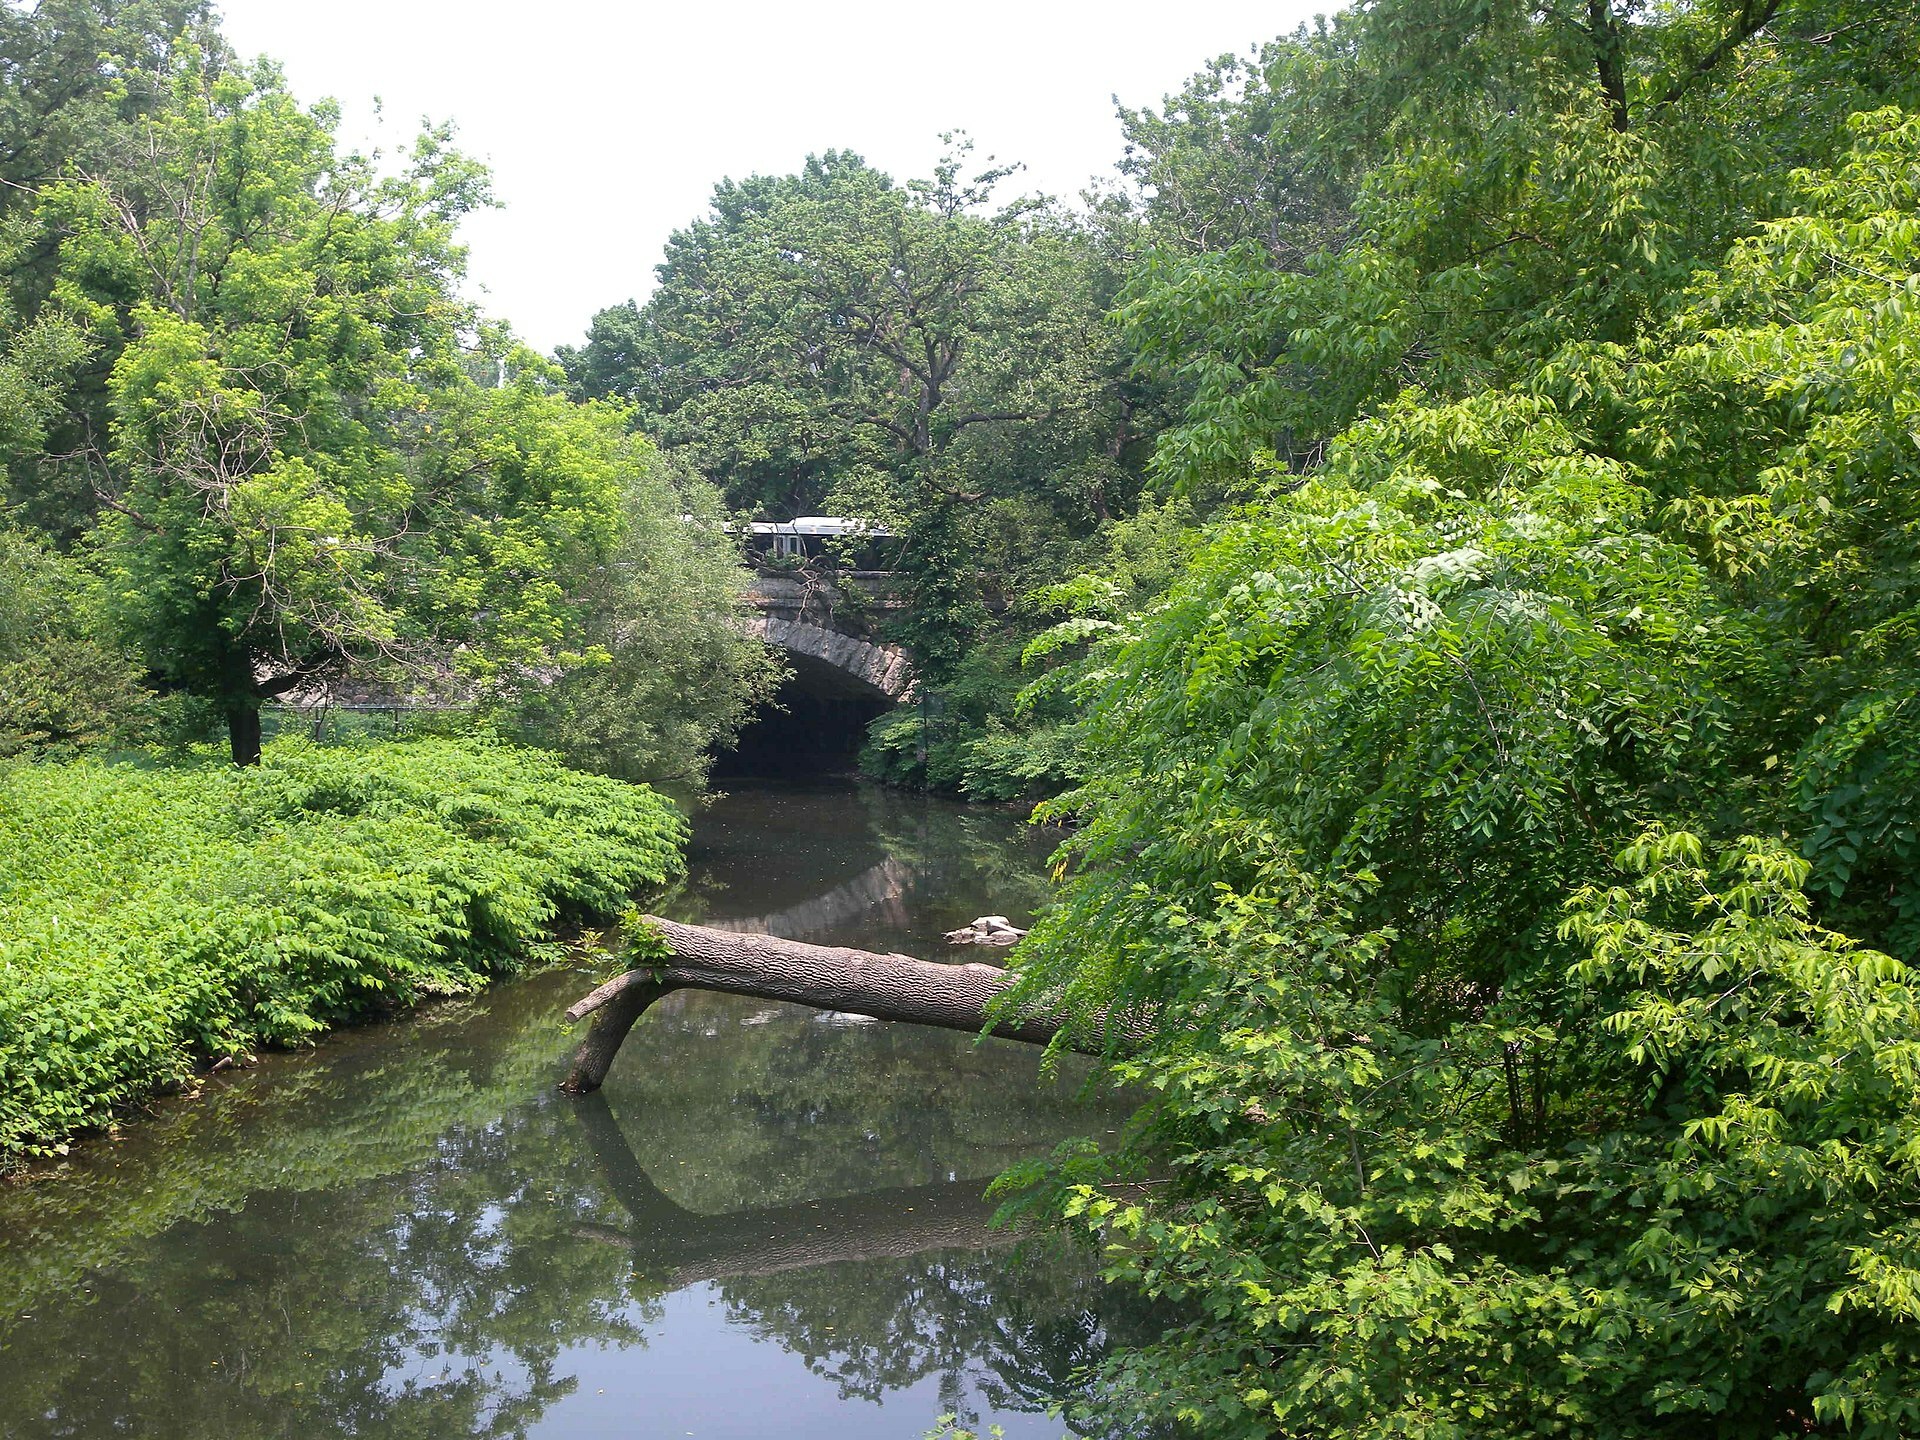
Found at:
(987, 930)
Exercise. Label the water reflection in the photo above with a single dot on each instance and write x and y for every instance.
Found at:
(674, 1247)
(857, 866)
(879, 888)
(895, 1287)
(765, 1223)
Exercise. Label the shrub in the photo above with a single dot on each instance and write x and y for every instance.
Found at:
(153, 918)
(63, 688)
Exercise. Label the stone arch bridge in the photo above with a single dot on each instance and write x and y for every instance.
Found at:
(821, 621)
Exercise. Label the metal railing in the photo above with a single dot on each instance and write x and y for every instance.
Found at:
(334, 724)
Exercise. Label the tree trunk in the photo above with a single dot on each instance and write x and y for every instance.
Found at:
(827, 977)
(1754, 16)
(243, 733)
(1609, 60)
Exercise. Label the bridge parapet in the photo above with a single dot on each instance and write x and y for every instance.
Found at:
(829, 598)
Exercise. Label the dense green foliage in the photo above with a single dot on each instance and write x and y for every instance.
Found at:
(669, 677)
(240, 383)
(1442, 196)
(79, 76)
(63, 685)
(1507, 820)
(1485, 436)
(155, 918)
(1664, 1188)
(835, 339)
(921, 356)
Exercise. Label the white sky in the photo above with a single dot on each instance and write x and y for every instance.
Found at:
(608, 124)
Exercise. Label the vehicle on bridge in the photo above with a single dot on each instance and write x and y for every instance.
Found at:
(807, 538)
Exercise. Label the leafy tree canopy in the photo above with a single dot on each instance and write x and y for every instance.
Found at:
(1442, 194)
(305, 477)
(1477, 818)
(831, 337)
(79, 78)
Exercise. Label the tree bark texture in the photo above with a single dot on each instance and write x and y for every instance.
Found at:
(827, 977)
(1610, 60)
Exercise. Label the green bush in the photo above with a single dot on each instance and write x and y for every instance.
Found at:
(153, 918)
(65, 686)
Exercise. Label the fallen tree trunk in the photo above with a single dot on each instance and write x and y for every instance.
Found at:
(827, 977)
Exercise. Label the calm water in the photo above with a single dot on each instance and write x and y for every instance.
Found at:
(768, 1224)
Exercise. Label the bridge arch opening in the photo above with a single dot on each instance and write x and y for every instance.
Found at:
(840, 683)
(814, 726)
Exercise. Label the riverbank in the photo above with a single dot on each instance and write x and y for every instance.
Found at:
(154, 920)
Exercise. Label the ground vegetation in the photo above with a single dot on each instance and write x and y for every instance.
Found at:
(160, 919)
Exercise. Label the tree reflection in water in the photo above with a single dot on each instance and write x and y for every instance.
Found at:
(876, 1291)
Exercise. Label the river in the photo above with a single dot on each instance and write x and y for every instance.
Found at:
(768, 1223)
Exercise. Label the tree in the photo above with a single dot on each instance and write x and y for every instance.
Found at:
(63, 684)
(1222, 163)
(678, 678)
(280, 311)
(702, 362)
(1470, 820)
(914, 355)
(36, 358)
(306, 479)
(827, 977)
(79, 70)
(1465, 187)
(79, 76)
(833, 332)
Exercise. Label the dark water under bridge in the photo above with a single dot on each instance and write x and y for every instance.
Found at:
(843, 675)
